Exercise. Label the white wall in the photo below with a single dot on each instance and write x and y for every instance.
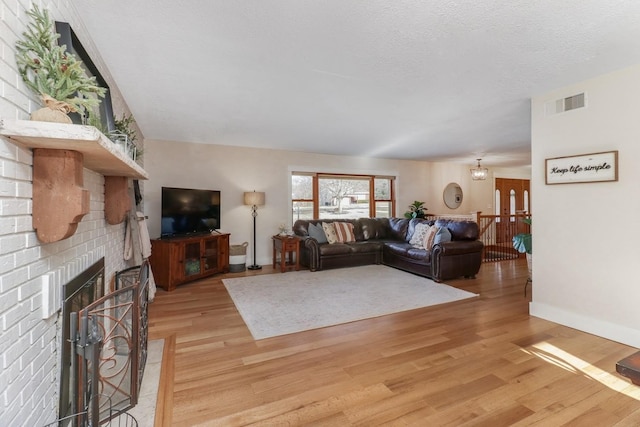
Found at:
(477, 195)
(440, 175)
(234, 170)
(29, 369)
(586, 235)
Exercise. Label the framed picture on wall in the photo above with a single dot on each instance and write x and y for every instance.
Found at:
(594, 167)
(71, 41)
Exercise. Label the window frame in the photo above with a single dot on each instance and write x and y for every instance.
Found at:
(373, 201)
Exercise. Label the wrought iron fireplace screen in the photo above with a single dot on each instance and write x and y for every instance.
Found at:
(87, 287)
(109, 336)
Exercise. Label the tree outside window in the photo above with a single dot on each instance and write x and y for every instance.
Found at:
(328, 196)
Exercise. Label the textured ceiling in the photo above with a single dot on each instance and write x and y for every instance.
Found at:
(425, 79)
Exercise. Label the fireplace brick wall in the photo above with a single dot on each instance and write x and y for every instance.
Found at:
(29, 366)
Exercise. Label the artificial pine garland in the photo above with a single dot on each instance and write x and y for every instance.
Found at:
(49, 70)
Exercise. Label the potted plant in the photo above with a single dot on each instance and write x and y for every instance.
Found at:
(124, 128)
(416, 210)
(522, 243)
(53, 73)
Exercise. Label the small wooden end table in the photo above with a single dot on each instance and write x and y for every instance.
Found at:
(287, 246)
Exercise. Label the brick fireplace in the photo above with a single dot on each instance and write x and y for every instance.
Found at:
(32, 274)
(31, 340)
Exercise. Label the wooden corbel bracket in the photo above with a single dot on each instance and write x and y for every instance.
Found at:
(60, 152)
(116, 199)
(59, 200)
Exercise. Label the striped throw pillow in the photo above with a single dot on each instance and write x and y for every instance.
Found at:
(429, 237)
(344, 232)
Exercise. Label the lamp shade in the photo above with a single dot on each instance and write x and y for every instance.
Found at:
(254, 198)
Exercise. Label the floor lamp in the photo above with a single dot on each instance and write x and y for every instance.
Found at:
(254, 199)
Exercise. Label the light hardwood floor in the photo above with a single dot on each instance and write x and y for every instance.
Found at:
(477, 362)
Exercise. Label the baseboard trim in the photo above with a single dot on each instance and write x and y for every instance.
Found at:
(611, 331)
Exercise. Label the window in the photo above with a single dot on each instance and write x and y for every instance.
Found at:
(302, 196)
(330, 196)
(383, 201)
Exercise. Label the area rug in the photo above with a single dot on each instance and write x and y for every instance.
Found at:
(284, 303)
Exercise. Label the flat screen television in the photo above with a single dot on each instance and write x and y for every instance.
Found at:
(187, 211)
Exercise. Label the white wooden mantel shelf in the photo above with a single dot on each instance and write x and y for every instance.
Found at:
(99, 152)
(60, 151)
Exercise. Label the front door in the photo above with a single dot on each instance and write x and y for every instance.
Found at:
(512, 196)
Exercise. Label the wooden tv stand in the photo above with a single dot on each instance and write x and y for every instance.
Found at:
(179, 260)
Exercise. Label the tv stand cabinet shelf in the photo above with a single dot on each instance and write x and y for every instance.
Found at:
(60, 151)
(180, 260)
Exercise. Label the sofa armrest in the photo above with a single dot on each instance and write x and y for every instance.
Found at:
(456, 258)
(311, 246)
(457, 247)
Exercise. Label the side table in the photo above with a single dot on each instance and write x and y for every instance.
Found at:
(287, 246)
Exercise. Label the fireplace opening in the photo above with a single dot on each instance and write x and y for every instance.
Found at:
(81, 291)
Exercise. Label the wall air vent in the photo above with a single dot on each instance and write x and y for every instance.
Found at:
(565, 104)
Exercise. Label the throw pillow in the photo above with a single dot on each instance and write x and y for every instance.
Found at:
(417, 240)
(430, 237)
(344, 232)
(330, 232)
(317, 232)
(443, 235)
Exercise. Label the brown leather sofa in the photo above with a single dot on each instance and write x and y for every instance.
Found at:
(386, 241)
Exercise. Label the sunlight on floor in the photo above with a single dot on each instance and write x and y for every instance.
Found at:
(554, 355)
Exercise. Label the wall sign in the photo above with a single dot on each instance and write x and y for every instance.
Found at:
(594, 167)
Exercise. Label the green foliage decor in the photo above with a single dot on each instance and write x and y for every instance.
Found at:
(124, 126)
(49, 70)
(416, 210)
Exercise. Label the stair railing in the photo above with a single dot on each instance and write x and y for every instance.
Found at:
(497, 231)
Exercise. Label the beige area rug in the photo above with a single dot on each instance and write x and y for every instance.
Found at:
(284, 303)
(144, 412)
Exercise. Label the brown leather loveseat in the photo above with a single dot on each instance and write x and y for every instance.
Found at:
(387, 241)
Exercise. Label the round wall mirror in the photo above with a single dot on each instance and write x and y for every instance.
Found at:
(452, 195)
